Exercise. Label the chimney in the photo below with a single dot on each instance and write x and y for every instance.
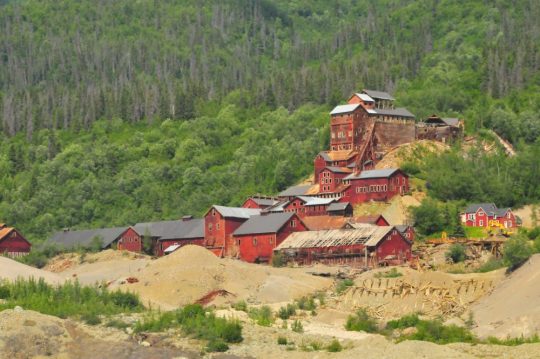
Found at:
(187, 218)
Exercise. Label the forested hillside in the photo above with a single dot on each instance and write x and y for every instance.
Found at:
(120, 111)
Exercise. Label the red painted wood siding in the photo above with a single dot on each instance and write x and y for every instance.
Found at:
(14, 244)
(482, 219)
(130, 241)
(297, 206)
(377, 189)
(259, 247)
(218, 233)
(250, 203)
(393, 244)
(328, 180)
(381, 221)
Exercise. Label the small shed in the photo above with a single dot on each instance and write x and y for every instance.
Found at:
(12, 242)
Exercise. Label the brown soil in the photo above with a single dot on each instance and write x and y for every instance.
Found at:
(513, 308)
(396, 211)
(530, 215)
(11, 270)
(193, 273)
(410, 152)
(431, 293)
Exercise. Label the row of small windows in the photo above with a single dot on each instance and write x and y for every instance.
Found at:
(210, 226)
(372, 188)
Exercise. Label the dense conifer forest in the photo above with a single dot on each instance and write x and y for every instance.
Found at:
(120, 111)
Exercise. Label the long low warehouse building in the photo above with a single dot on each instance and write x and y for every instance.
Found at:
(363, 246)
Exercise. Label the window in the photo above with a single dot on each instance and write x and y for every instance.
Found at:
(213, 212)
(217, 226)
(254, 241)
(481, 223)
(293, 223)
(470, 216)
(210, 227)
(508, 215)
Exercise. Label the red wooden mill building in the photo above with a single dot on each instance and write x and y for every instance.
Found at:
(12, 242)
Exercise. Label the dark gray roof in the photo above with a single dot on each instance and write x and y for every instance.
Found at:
(325, 156)
(73, 239)
(261, 201)
(501, 212)
(337, 206)
(382, 173)
(487, 207)
(278, 207)
(295, 191)
(340, 109)
(379, 95)
(237, 212)
(397, 112)
(315, 201)
(176, 229)
(402, 228)
(268, 223)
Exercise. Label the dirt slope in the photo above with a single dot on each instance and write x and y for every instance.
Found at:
(10, 270)
(193, 272)
(432, 293)
(410, 151)
(513, 308)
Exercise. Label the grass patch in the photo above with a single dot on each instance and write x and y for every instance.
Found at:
(343, 285)
(240, 306)
(406, 321)
(116, 323)
(263, 316)
(67, 300)
(282, 340)
(474, 232)
(306, 303)
(297, 326)
(287, 311)
(196, 322)
(491, 265)
(334, 347)
(514, 341)
(392, 273)
(362, 321)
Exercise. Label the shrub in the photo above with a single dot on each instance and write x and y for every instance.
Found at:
(406, 321)
(65, 300)
(456, 253)
(117, 323)
(392, 273)
(361, 322)
(297, 327)
(516, 251)
(306, 303)
(217, 346)
(287, 311)
(262, 316)
(334, 346)
(435, 331)
(514, 341)
(278, 260)
(125, 299)
(282, 340)
(491, 265)
(241, 305)
(91, 319)
(343, 285)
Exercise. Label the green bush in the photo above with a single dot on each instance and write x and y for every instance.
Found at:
(306, 303)
(278, 260)
(262, 316)
(406, 321)
(361, 322)
(297, 326)
(241, 306)
(334, 346)
(282, 340)
(66, 300)
(117, 323)
(287, 311)
(514, 341)
(392, 273)
(343, 285)
(91, 319)
(195, 322)
(516, 251)
(456, 253)
(435, 331)
(491, 265)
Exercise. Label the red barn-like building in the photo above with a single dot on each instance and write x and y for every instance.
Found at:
(377, 185)
(259, 202)
(12, 242)
(308, 206)
(485, 214)
(130, 240)
(219, 225)
(363, 246)
(259, 235)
